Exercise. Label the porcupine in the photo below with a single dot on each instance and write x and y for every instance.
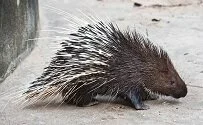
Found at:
(100, 59)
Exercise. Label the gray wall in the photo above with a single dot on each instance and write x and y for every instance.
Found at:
(18, 23)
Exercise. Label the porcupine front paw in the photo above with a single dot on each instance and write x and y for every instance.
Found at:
(136, 99)
(141, 106)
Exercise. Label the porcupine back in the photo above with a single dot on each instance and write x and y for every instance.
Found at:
(101, 59)
(82, 61)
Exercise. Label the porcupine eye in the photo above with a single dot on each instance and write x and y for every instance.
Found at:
(172, 82)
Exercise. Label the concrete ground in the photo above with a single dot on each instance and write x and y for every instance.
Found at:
(178, 28)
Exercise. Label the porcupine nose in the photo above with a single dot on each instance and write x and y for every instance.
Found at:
(182, 90)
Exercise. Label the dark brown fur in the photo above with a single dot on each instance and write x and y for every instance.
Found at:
(133, 69)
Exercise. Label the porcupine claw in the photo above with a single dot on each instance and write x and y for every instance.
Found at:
(135, 97)
(141, 106)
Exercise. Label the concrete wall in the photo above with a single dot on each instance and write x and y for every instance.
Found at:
(18, 23)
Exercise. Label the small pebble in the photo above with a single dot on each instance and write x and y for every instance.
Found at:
(137, 4)
(156, 20)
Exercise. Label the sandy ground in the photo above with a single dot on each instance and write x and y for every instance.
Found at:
(179, 31)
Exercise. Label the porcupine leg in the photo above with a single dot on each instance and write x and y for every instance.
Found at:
(85, 97)
(81, 98)
(86, 100)
(135, 97)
